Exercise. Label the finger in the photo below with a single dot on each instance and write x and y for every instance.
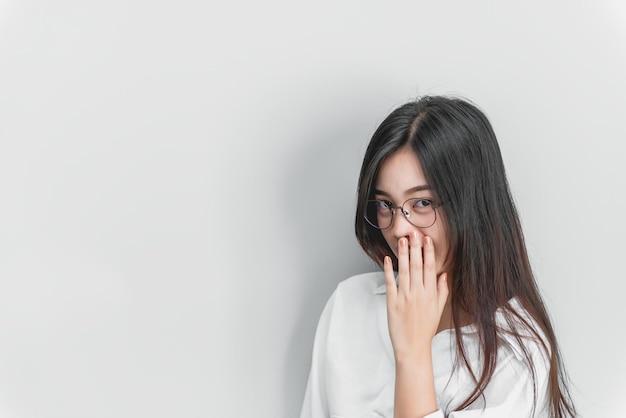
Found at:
(416, 260)
(442, 291)
(403, 265)
(390, 280)
(430, 272)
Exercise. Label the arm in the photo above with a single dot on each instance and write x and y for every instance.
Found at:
(315, 403)
(414, 309)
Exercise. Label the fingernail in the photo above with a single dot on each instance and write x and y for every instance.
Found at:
(402, 242)
(428, 240)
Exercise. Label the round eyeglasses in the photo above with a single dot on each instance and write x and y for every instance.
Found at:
(420, 212)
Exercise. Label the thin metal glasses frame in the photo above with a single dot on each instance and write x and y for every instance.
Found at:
(406, 213)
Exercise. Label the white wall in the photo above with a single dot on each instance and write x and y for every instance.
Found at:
(177, 185)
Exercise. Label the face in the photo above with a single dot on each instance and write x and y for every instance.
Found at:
(400, 178)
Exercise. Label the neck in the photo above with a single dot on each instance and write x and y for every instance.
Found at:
(447, 321)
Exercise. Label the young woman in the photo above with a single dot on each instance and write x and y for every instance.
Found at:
(454, 325)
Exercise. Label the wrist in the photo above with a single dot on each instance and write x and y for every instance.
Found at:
(415, 386)
(418, 357)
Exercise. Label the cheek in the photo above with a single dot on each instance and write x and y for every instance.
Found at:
(441, 251)
(390, 240)
(440, 247)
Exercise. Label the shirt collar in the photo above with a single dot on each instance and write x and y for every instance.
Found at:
(381, 290)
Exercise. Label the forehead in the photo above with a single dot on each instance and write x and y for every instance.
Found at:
(400, 172)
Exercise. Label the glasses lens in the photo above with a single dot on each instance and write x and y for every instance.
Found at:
(379, 214)
(420, 212)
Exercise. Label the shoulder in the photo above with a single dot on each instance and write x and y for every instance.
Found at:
(362, 285)
(357, 301)
(520, 337)
(521, 334)
(355, 294)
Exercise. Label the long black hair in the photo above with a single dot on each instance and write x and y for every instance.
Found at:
(487, 258)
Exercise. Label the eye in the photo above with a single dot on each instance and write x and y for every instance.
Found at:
(422, 203)
(383, 205)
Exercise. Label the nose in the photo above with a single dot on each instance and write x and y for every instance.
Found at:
(400, 226)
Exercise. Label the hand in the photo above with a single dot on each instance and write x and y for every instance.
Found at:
(415, 305)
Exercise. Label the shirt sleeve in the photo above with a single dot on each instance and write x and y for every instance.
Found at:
(315, 403)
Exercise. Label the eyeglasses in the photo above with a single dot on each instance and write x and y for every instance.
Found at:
(420, 212)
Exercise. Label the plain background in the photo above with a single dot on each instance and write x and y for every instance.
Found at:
(177, 185)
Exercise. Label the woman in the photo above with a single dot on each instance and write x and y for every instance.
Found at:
(454, 325)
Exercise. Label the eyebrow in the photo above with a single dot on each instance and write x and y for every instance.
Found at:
(409, 191)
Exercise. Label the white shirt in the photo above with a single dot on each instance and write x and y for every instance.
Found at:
(353, 370)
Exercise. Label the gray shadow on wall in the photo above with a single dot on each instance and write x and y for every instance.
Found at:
(320, 193)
